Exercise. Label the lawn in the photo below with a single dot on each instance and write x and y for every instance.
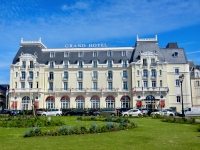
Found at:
(150, 134)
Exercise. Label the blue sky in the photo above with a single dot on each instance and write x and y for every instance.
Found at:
(114, 22)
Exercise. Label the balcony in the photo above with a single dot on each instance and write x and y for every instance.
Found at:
(65, 66)
(65, 78)
(51, 66)
(145, 77)
(79, 78)
(23, 67)
(153, 77)
(64, 89)
(153, 64)
(144, 64)
(124, 65)
(125, 77)
(95, 78)
(30, 78)
(22, 78)
(30, 67)
(109, 78)
(50, 78)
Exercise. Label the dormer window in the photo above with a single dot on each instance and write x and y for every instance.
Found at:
(52, 54)
(80, 64)
(51, 64)
(95, 54)
(123, 53)
(175, 54)
(65, 64)
(110, 63)
(95, 64)
(80, 54)
(109, 53)
(124, 63)
(66, 54)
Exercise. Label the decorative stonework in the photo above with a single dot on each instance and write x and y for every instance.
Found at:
(149, 54)
(27, 57)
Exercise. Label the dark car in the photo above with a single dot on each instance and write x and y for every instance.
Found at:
(25, 112)
(91, 111)
(106, 111)
(7, 112)
(76, 112)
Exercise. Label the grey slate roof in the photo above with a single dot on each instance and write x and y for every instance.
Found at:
(164, 54)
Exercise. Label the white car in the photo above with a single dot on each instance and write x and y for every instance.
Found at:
(167, 113)
(52, 112)
(132, 112)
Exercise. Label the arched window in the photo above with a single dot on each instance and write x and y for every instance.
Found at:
(125, 102)
(65, 103)
(50, 103)
(25, 103)
(95, 102)
(110, 102)
(80, 103)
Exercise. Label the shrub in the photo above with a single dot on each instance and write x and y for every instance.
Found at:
(93, 128)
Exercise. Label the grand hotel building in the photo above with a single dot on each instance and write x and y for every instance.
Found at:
(96, 76)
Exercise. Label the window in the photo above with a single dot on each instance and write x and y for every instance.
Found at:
(110, 86)
(110, 63)
(153, 73)
(125, 102)
(15, 84)
(65, 103)
(80, 86)
(52, 54)
(138, 83)
(65, 85)
(145, 73)
(37, 85)
(51, 86)
(153, 62)
(145, 84)
(94, 54)
(30, 85)
(95, 102)
(160, 72)
(22, 85)
(109, 53)
(51, 64)
(80, 103)
(95, 64)
(66, 54)
(160, 83)
(23, 75)
(23, 64)
(31, 64)
(50, 103)
(197, 74)
(197, 83)
(176, 71)
(50, 75)
(124, 63)
(125, 86)
(153, 83)
(95, 74)
(144, 62)
(177, 82)
(110, 75)
(80, 64)
(65, 75)
(95, 86)
(175, 54)
(37, 74)
(80, 54)
(30, 75)
(138, 72)
(178, 99)
(110, 102)
(80, 75)
(65, 64)
(25, 103)
(125, 74)
(124, 53)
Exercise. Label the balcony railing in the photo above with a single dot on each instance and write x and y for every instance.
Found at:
(94, 77)
(153, 76)
(125, 77)
(30, 78)
(50, 78)
(22, 78)
(109, 78)
(144, 64)
(144, 76)
(65, 78)
(79, 78)
(30, 67)
(153, 64)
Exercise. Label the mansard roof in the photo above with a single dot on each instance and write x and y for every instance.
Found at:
(171, 54)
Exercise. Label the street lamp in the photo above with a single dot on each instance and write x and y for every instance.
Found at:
(181, 77)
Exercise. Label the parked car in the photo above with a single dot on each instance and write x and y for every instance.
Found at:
(167, 113)
(144, 110)
(120, 110)
(132, 112)
(52, 112)
(25, 112)
(156, 111)
(91, 111)
(39, 111)
(106, 111)
(76, 112)
(7, 112)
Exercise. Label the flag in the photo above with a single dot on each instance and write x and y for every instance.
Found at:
(134, 91)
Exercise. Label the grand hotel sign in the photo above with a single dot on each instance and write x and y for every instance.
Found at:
(85, 45)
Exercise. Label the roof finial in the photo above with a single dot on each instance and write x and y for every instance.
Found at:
(137, 37)
(21, 40)
(40, 39)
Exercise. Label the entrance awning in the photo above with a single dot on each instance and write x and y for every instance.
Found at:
(14, 104)
(36, 104)
(162, 103)
(139, 103)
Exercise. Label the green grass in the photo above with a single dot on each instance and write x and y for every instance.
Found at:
(151, 134)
